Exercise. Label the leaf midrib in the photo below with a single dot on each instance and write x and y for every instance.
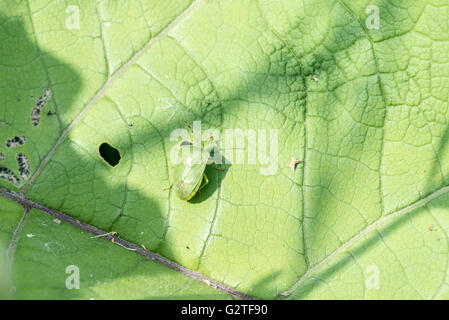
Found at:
(29, 204)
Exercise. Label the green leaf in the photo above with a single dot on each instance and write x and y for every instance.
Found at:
(363, 215)
(48, 249)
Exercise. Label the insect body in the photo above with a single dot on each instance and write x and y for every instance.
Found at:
(189, 173)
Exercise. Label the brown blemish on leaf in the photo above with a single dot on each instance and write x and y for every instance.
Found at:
(16, 141)
(9, 176)
(23, 165)
(40, 103)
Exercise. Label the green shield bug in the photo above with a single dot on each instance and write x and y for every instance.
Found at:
(189, 172)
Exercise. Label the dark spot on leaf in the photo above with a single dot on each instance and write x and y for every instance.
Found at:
(109, 154)
(40, 103)
(8, 175)
(16, 141)
(24, 165)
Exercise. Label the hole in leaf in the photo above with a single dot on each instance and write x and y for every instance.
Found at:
(109, 154)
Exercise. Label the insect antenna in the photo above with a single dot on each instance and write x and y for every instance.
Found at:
(188, 126)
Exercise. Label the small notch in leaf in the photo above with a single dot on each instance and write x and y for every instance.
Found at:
(109, 154)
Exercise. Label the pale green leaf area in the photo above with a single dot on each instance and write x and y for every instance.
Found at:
(363, 216)
(46, 249)
(11, 214)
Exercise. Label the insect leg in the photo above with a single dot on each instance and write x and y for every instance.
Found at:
(206, 181)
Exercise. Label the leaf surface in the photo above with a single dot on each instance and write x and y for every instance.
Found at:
(364, 215)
